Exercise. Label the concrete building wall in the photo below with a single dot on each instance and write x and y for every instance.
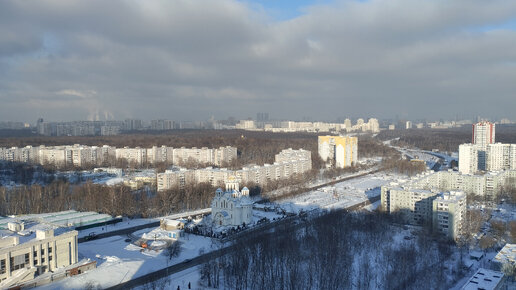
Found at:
(45, 254)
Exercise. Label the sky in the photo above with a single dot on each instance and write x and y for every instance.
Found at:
(193, 59)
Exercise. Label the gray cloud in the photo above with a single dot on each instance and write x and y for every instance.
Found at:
(189, 59)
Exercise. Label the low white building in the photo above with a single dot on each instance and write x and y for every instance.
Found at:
(23, 254)
(231, 207)
(485, 279)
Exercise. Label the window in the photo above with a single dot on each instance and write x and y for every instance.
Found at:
(42, 260)
(49, 251)
(42, 252)
(18, 262)
(49, 258)
(2, 266)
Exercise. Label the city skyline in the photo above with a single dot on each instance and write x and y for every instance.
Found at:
(189, 60)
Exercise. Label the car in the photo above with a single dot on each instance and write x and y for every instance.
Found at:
(91, 236)
(128, 240)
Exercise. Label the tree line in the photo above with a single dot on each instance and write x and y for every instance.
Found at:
(113, 200)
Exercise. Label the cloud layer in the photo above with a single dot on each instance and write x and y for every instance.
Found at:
(190, 59)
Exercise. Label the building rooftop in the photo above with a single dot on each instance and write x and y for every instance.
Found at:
(69, 218)
(484, 279)
(507, 254)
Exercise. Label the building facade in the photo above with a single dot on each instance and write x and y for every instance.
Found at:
(342, 151)
(483, 133)
(492, 157)
(45, 252)
(449, 213)
(288, 163)
(79, 155)
(232, 207)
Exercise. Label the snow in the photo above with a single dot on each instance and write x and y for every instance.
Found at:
(119, 261)
(340, 195)
(114, 181)
(181, 279)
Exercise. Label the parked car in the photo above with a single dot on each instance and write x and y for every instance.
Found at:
(91, 236)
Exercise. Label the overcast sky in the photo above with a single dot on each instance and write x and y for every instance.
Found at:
(189, 59)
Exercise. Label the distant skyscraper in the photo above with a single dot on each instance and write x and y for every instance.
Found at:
(262, 117)
(483, 133)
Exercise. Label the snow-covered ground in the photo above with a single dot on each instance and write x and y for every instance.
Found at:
(119, 261)
(340, 195)
(181, 279)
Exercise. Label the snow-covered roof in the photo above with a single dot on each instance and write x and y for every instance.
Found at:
(173, 223)
(484, 279)
(507, 254)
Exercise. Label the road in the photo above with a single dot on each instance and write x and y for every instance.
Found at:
(130, 230)
(333, 182)
(262, 229)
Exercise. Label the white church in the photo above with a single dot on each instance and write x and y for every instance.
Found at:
(232, 207)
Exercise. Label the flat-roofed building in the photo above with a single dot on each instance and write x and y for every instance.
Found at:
(449, 213)
(25, 255)
(486, 280)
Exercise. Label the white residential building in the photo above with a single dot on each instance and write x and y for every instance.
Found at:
(79, 155)
(498, 157)
(449, 213)
(288, 162)
(468, 158)
(483, 133)
(492, 157)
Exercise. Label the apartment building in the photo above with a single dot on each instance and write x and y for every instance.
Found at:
(489, 184)
(79, 155)
(491, 157)
(444, 211)
(468, 158)
(483, 133)
(342, 151)
(449, 213)
(300, 163)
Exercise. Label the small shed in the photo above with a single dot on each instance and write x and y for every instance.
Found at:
(170, 225)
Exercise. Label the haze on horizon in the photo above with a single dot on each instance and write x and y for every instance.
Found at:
(190, 59)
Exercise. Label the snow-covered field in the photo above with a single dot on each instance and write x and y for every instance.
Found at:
(119, 261)
(340, 195)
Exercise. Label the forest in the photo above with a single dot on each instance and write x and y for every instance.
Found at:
(446, 140)
(339, 250)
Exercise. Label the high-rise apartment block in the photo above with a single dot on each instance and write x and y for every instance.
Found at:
(483, 133)
(468, 158)
(341, 150)
(492, 157)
